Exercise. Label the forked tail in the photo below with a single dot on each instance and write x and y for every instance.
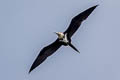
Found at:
(74, 47)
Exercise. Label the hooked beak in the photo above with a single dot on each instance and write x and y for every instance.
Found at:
(56, 33)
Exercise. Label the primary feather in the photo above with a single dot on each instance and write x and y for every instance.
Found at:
(77, 20)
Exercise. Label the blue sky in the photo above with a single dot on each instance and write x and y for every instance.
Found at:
(26, 26)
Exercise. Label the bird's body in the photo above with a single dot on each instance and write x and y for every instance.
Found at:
(64, 38)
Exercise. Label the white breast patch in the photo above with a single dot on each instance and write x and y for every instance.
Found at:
(65, 40)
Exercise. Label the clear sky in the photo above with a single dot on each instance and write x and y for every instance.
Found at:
(26, 26)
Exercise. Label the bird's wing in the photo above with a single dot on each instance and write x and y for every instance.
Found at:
(44, 53)
(77, 20)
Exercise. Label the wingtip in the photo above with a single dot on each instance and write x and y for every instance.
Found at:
(30, 70)
(78, 52)
(96, 5)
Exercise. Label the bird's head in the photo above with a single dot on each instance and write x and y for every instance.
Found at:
(60, 35)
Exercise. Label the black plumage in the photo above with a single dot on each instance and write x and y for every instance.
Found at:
(45, 52)
(50, 49)
(77, 20)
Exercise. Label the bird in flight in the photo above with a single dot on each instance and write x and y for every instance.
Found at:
(64, 38)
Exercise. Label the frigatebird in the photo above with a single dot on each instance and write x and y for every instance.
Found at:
(64, 38)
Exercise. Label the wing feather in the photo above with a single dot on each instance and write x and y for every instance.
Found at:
(44, 53)
(77, 20)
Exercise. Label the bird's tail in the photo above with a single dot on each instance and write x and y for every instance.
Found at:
(74, 47)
